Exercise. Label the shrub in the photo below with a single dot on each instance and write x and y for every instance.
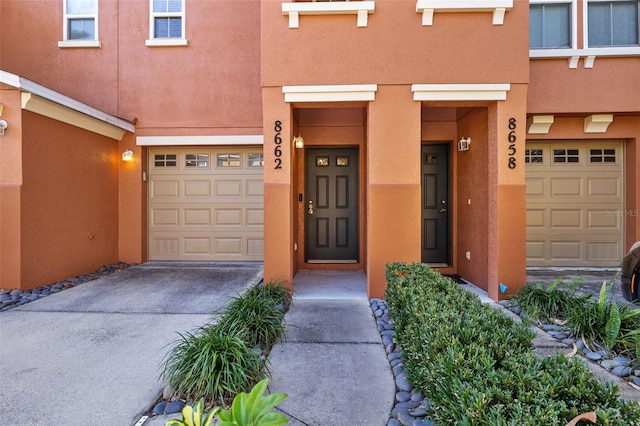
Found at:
(475, 364)
(552, 302)
(212, 364)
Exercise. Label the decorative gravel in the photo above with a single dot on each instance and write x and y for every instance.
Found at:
(10, 299)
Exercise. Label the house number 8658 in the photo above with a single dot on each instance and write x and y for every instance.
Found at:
(277, 139)
(512, 143)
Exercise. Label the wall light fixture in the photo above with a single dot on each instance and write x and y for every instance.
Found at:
(3, 126)
(464, 144)
(298, 142)
(127, 155)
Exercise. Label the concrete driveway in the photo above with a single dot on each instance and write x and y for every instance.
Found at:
(90, 355)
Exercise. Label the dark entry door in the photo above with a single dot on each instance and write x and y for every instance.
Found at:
(435, 204)
(331, 205)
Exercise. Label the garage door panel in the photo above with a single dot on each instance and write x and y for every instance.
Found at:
(570, 205)
(203, 208)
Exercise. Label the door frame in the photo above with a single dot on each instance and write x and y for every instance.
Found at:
(300, 200)
(450, 202)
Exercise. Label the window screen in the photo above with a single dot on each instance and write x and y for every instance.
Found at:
(613, 23)
(550, 26)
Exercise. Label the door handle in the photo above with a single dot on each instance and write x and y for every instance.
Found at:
(443, 209)
(310, 209)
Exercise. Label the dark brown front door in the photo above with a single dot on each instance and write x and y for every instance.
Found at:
(331, 205)
(435, 204)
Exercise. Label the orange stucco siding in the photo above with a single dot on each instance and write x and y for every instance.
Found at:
(69, 201)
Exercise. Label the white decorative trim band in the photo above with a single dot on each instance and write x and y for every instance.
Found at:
(460, 92)
(335, 93)
(200, 140)
(539, 124)
(597, 123)
(589, 54)
(497, 7)
(361, 9)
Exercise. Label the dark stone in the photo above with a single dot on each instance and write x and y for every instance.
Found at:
(636, 381)
(419, 412)
(391, 347)
(516, 310)
(416, 396)
(622, 360)
(405, 418)
(174, 407)
(621, 371)
(394, 422)
(397, 370)
(593, 356)
(609, 364)
(402, 396)
(159, 408)
(569, 341)
(422, 422)
(393, 356)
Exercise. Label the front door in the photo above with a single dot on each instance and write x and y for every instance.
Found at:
(331, 205)
(435, 204)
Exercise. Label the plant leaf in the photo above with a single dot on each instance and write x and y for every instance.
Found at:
(612, 329)
(273, 419)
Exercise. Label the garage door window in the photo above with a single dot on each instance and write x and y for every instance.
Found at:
(256, 159)
(566, 156)
(533, 156)
(197, 160)
(602, 155)
(165, 160)
(229, 160)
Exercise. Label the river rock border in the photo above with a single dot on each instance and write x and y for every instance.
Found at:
(10, 299)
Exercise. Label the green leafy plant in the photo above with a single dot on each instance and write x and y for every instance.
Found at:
(551, 302)
(274, 291)
(254, 318)
(212, 363)
(252, 409)
(193, 416)
(476, 365)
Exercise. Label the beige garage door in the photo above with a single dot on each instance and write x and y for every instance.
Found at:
(206, 203)
(575, 213)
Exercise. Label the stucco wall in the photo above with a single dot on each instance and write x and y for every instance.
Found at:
(69, 201)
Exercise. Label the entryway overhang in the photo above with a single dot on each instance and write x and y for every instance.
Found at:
(49, 103)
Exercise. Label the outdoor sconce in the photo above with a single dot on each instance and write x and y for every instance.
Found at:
(464, 144)
(127, 155)
(298, 142)
(3, 126)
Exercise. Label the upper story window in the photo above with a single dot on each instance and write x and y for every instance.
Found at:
(549, 25)
(80, 24)
(166, 23)
(613, 23)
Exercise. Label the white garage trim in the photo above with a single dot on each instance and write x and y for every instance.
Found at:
(199, 140)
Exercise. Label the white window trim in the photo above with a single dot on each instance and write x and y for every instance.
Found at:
(588, 53)
(460, 92)
(497, 7)
(65, 28)
(361, 9)
(155, 42)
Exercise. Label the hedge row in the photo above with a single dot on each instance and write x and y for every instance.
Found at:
(476, 364)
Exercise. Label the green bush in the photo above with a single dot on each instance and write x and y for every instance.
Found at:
(552, 302)
(227, 356)
(475, 364)
(213, 364)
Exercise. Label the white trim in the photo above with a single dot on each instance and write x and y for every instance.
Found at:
(597, 123)
(359, 8)
(64, 101)
(539, 124)
(497, 7)
(66, 42)
(330, 93)
(590, 54)
(460, 92)
(200, 140)
(159, 42)
(79, 43)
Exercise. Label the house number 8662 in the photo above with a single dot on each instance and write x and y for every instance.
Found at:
(277, 139)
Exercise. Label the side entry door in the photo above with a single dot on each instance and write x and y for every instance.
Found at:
(435, 204)
(331, 205)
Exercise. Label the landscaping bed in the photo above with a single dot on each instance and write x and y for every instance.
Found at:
(476, 366)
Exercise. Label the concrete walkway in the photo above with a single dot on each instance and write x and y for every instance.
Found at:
(90, 355)
(332, 363)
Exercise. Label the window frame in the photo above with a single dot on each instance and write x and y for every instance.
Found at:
(167, 41)
(585, 25)
(67, 17)
(573, 17)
